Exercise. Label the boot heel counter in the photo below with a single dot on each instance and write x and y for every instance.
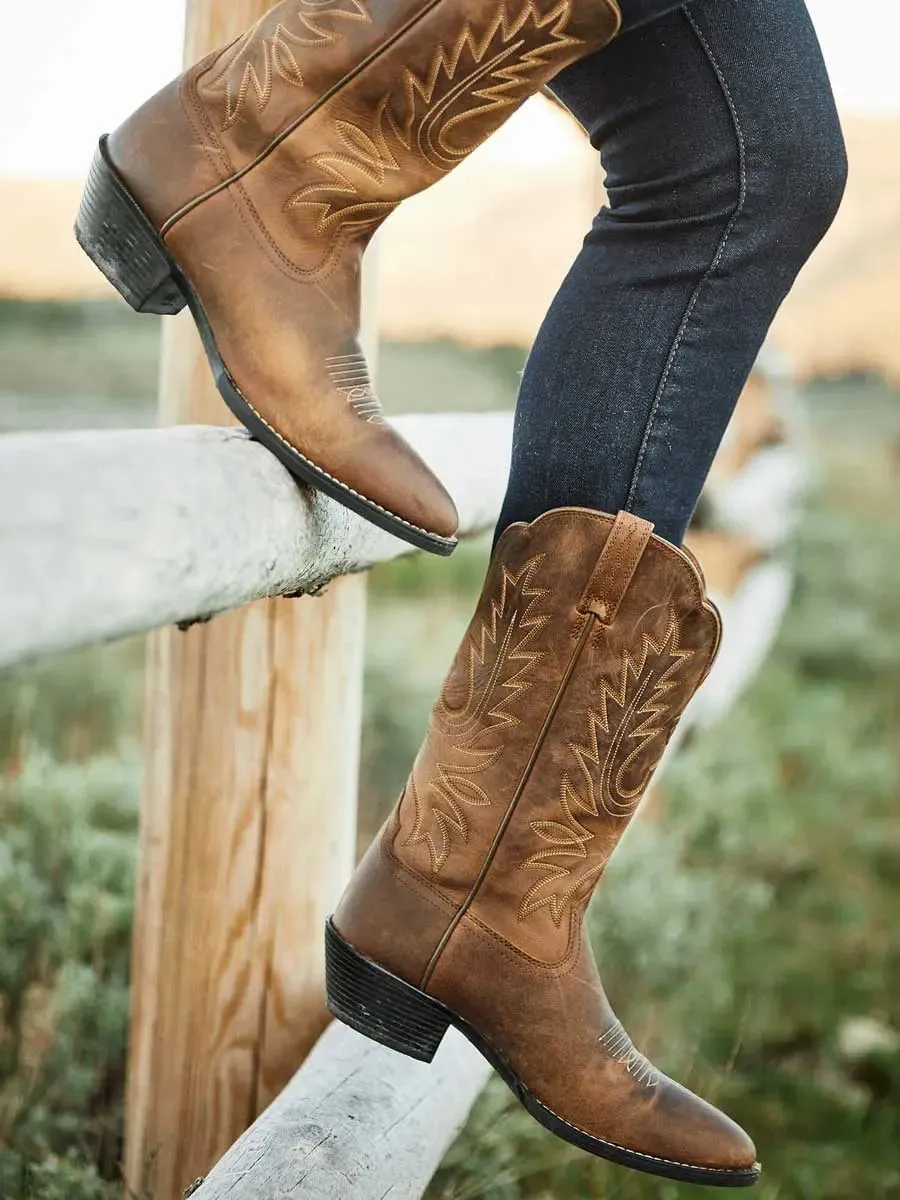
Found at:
(162, 155)
(391, 915)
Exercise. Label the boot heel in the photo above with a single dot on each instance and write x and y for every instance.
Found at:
(378, 1004)
(115, 234)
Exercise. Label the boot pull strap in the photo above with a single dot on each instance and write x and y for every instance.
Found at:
(615, 567)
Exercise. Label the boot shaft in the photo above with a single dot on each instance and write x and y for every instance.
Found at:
(589, 639)
(328, 114)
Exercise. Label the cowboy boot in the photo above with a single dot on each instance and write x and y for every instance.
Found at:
(249, 189)
(589, 640)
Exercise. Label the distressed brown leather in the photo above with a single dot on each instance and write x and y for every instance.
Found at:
(589, 640)
(270, 164)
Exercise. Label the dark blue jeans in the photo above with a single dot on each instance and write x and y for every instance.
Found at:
(725, 165)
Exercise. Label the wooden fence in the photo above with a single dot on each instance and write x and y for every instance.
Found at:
(249, 810)
(117, 532)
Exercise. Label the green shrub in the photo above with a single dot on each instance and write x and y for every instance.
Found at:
(69, 770)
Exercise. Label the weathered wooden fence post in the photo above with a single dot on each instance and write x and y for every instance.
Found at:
(248, 826)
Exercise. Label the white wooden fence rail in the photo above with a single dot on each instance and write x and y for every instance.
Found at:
(357, 1122)
(104, 534)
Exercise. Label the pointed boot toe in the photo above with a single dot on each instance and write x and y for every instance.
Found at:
(590, 638)
(708, 1138)
(250, 188)
(424, 498)
(375, 456)
(683, 1136)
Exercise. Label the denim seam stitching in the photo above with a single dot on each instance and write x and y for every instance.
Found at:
(726, 237)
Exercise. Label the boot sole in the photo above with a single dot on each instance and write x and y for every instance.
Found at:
(392, 1012)
(121, 240)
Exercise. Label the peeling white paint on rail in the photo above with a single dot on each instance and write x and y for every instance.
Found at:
(357, 1122)
(104, 534)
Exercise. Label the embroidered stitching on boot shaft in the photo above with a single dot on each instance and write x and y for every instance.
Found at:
(478, 78)
(255, 61)
(631, 708)
(493, 649)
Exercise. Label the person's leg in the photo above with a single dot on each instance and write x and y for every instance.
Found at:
(725, 166)
(592, 634)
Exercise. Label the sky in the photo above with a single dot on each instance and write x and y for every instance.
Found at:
(93, 61)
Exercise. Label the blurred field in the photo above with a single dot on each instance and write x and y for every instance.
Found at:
(749, 933)
(517, 210)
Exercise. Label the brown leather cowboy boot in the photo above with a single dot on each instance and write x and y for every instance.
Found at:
(250, 187)
(590, 638)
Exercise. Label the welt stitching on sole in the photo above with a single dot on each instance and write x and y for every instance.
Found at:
(447, 541)
(736, 1172)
